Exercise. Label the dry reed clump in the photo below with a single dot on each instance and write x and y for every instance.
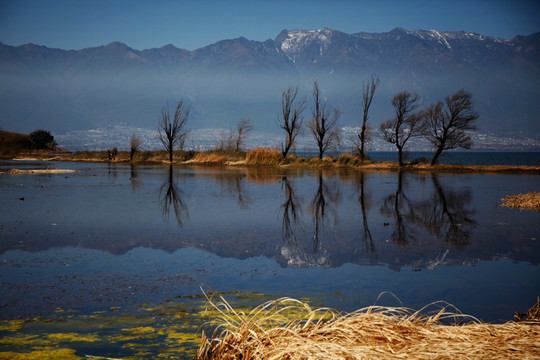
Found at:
(290, 329)
(533, 315)
(263, 156)
(529, 201)
(210, 158)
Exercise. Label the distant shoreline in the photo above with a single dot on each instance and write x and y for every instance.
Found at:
(238, 159)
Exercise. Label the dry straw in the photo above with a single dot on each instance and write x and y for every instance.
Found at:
(291, 329)
(529, 201)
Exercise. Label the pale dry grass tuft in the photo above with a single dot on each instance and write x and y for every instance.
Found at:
(291, 329)
(529, 201)
(210, 157)
(264, 156)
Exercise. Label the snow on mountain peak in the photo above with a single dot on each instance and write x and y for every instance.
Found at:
(297, 40)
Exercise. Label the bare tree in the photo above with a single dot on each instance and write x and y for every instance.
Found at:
(446, 124)
(290, 119)
(405, 125)
(242, 128)
(135, 144)
(226, 141)
(323, 127)
(173, 133)
(368, 90)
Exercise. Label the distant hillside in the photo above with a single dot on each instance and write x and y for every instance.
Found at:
(12, 143)
(115, 84)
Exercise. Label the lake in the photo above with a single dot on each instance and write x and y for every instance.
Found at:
(119, 239)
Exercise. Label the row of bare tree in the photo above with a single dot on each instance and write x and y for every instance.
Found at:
(445, 124)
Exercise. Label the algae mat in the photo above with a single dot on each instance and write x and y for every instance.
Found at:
(166, 331)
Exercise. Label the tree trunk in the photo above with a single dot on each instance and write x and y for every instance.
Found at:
(400, 156)
(171, 156)
(362, 140)
(436, 155)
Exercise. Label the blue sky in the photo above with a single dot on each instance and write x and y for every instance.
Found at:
(143, 24)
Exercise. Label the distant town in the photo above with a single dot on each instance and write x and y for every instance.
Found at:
(206, 139)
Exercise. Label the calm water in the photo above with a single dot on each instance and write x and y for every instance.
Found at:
(121, 235)
(467, 157)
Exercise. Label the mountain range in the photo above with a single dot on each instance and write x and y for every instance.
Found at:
(62, 90)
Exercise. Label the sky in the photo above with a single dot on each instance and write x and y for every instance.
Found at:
(191, 24)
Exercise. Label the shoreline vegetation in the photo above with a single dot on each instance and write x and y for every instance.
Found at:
(290, 329)
(267, 157)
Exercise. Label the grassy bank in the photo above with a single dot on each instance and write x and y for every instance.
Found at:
(266, 157)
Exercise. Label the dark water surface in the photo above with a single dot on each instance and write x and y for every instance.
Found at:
(119, 235)
(531, 158)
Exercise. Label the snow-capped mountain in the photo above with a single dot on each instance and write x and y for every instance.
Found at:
(60, 89)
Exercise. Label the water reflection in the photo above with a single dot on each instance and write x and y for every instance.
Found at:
(292, 211)
(136, 184)
(233, 184)
(363, 200)
(444, 214)
(447, 214)
(323, 208)
(324, 218)
(170, 196)
(400, 207)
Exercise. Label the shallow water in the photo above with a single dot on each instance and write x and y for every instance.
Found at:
(115, 235)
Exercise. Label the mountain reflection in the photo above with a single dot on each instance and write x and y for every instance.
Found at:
(170, 196)
(324, 218)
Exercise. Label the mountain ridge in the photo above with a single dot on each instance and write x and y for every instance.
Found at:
(233, 78)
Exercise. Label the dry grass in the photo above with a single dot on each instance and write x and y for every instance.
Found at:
(529, 201)
(264, 156)
(210, 158)
(291, 329)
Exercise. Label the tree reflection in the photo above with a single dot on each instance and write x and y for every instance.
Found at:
(402, 209)
(446, 215)
(135, 183)
(324, 203)
(170, 196)
(367, 239)
(292, 209)
(234, 185)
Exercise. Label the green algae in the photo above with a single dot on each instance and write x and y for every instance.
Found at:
(145, 331)
(45, 354)
(10, 325)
